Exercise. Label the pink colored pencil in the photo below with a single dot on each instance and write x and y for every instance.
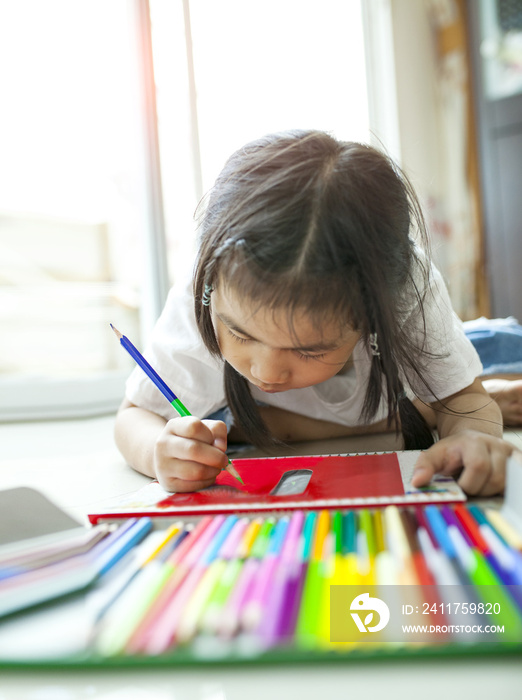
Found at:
(232, 544)
(163, 630)
(214, 563)
(179, 564)
(263, 593)
(228, 622)
(252, 604)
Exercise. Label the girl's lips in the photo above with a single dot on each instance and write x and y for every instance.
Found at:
(268, 389)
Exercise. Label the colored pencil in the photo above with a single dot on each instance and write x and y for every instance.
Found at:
(252, 613)
(228, 623)
(122, 617)
(472, 530)
(216, 560)
(171, 397)
(386, 567)
(366, 548)
(398, 544)
(173, 573)
(487, 584)
(505, 529)
(274, 594)
(163, 631)
(306, 629)
(350, 572)
(439, 529)
(294, 585)
(437, 561)
(509, 559)
(162, 542)
(244, 531)
(424, 576)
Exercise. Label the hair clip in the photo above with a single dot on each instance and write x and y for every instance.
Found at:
(373, 344)
(206, 294)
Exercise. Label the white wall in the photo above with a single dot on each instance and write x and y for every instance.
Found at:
(416, 83)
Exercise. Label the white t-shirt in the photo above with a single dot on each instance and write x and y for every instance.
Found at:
(177, 353)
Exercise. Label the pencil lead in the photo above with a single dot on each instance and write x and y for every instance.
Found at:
(233, 472)
(120, 336)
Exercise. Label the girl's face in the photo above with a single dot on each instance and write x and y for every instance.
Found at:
(274, 356)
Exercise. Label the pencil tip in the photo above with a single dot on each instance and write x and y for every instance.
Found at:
(120, 336)
(233, 471)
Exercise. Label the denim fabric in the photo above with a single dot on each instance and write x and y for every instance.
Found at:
(498, 342)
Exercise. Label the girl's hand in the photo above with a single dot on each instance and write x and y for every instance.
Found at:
(479, 458)
(189, 453)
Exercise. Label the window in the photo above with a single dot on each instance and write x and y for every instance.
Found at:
(82, 212)
(73, 204)
(228, 71)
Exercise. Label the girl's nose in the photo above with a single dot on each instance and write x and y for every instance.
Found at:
(269, 367)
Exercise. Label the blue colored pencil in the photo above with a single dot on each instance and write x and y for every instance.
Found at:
(165, 390)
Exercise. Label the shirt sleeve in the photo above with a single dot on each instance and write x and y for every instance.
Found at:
(451, 363)
(178, 354)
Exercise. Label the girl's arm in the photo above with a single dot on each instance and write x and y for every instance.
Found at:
(469, 409)
(183, 454)
(470, 429)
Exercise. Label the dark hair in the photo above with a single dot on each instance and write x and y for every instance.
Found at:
(302, 220)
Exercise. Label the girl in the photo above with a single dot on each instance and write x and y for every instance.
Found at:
(314, 313)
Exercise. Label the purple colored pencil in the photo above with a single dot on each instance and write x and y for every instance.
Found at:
(291, 602)
(274, 609)
(294, 587)
(252, 612)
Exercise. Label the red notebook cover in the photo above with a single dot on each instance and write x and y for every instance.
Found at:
(322, 481)
(358, 476)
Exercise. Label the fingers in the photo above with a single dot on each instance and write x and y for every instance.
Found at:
(480, 460)
(438, 459)
(219, 432)
(190, 453)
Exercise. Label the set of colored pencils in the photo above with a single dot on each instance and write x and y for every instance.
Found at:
(50, 571)
(263, 582)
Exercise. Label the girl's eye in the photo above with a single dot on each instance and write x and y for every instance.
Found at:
(237, 337)
(302, 356)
